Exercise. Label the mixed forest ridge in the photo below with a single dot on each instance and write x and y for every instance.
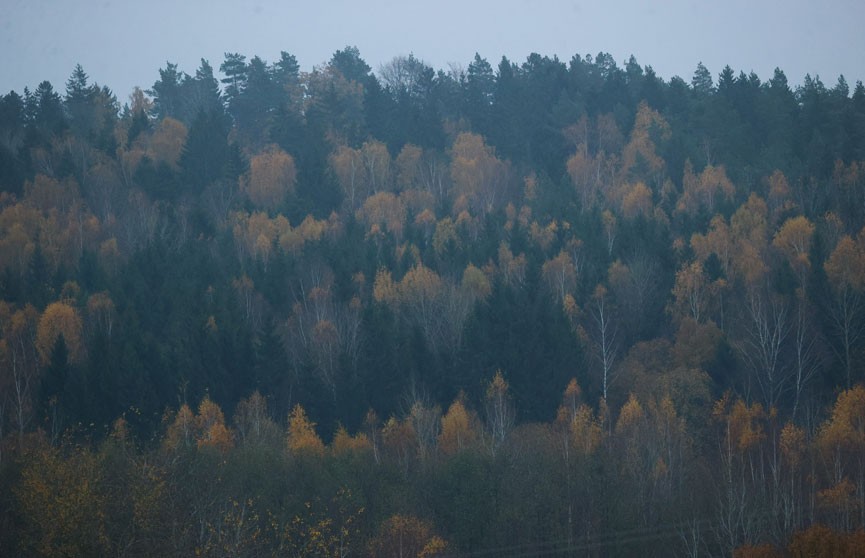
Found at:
(547, 308)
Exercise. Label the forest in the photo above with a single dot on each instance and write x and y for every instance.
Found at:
(535, 309)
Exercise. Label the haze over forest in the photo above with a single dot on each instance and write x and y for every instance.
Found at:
(121, 44)
(535, 307)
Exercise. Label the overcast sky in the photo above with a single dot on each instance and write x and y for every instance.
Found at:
(122, 44)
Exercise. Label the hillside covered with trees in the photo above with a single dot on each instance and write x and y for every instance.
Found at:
(541, 308)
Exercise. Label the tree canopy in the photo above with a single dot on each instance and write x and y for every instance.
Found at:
(540, 306)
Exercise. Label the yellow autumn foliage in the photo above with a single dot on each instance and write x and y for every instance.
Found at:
(458, 430)
(302, 438)
(59, 319)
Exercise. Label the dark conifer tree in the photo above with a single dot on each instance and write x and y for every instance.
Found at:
(77, 89)
(236, 75)
(352, 67)
(856, 124)
(201, 93)
(479, 90)
(45, 114)
(168, 100)
(702, 81)
(13, 156)
(140, 123)
(206, 154)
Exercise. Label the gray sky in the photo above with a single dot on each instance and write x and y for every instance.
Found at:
(122, 44)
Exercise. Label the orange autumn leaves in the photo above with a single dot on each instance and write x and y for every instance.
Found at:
(272, 176)
(646, 442)
(204, 429)
(438, 306)
(424, 431)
